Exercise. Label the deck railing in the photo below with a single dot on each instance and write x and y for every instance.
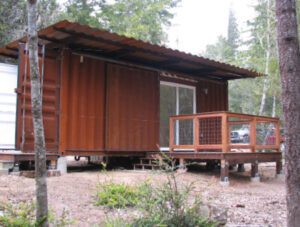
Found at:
(224, 131)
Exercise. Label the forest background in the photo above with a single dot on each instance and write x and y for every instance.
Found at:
(149, 20)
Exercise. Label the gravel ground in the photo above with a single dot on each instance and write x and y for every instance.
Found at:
(248, 203)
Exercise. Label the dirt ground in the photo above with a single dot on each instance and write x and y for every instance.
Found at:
(248, 203)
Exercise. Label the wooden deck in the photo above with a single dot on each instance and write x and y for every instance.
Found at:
(228, 137)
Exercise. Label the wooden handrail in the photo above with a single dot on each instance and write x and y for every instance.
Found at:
(225, 145)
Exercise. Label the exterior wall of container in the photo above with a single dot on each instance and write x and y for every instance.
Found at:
(132, 109)
(50, 92)
(102, 107)
(212, 96)
(82, 115)
(9, 77)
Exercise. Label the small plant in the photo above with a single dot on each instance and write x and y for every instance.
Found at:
(171, 206)
(23, 215)
(119, 195)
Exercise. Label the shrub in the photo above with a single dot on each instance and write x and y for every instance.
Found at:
(23, 215)
(171, 206)
(117, 195)
(165, 205)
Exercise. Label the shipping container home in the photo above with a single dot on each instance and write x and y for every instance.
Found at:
(106, 94)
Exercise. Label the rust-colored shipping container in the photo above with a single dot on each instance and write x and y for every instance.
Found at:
(105, 94)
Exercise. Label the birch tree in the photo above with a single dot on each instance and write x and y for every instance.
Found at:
(36, 106)
(289, 62)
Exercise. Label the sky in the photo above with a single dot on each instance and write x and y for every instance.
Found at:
(198, 23)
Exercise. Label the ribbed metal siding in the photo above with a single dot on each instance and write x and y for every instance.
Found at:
(8, 78)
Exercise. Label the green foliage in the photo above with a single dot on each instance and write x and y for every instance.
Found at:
(170, 205)
(245, 95)
(23, 215)
(12, 19)
(83, 11)
(143, 20)
(167, 204)
(115, 195)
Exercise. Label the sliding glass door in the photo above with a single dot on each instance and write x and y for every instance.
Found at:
(176, 99)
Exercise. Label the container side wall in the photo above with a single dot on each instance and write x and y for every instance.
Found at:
(132, 109)
(212, 96)
(82, 104)
(50, 92)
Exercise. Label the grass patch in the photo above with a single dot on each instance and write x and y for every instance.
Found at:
(118, 195)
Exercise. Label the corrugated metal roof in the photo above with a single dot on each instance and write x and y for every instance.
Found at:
(93, 41)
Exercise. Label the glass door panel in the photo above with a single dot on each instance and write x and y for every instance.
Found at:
(176, 99)
(167, 108)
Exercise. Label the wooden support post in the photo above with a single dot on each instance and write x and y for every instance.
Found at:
(181, 163)
(224, 173)
(277, 134)
(254, 172)
(253, 135)
(53, 164)
(279, 167)
(225, 135)
(241, 168)
(171, 134)
(196, 133)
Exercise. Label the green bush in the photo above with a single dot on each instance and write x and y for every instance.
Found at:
(171, 206)
(23, 215)
(165, 205)
(119, 195)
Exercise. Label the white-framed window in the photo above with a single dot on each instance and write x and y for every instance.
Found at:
(175, 99)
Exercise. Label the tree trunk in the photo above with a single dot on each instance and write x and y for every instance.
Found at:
(289, 61)
(274, 105)
(36, 105)
(267, 53)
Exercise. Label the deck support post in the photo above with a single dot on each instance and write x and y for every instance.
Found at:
(254, 172)
(241, 168)
(16, 167)
(53, 164)
(279, 171)
(224, 181)
(182, 166)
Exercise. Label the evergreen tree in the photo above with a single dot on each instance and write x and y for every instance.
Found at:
(143, 20)
(233, 36)
(140, 19)
(83, 12)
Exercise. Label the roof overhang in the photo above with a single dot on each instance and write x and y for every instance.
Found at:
(101, 43)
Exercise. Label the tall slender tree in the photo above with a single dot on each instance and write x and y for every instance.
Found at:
(289, 59)
(37, 116)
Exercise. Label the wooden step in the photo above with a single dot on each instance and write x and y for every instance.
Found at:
(146, 166)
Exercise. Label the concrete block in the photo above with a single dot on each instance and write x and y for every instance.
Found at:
(224, 183)
(62, 164)
(4, 172)
(255, 179)
(96, 159)
(4, 165)
(280, 176)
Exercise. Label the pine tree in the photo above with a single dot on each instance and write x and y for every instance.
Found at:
(289, 58)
